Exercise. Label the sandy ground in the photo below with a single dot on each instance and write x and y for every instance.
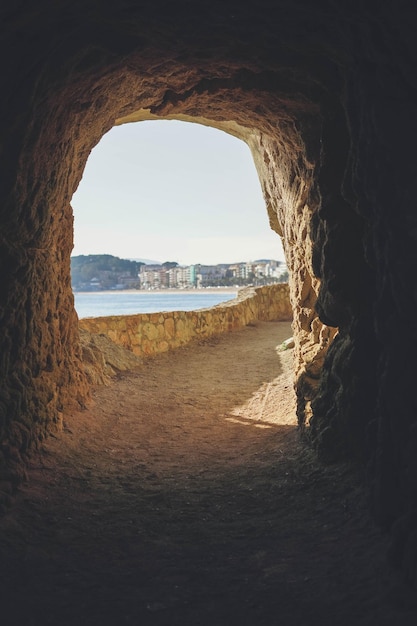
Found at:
(183, 496)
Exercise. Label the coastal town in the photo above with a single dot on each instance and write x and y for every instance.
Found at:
(106, 272)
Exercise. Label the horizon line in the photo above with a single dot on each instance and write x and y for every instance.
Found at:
(155, 262)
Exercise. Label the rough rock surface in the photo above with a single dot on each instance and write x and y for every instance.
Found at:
(103, 359)
(324, 94)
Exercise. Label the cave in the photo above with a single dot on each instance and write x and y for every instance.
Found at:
(324, 95)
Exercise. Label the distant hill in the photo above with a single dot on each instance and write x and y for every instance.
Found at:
(104, 271)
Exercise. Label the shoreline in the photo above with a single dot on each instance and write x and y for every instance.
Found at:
(191, 292)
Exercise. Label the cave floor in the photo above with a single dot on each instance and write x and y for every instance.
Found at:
(183, 496)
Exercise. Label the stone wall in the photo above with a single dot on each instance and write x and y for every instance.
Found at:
(147, 334)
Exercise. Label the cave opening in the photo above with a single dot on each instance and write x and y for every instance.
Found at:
(222, 149)
(284, 192)
(176, 192)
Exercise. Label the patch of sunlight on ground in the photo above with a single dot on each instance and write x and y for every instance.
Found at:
(272, 404)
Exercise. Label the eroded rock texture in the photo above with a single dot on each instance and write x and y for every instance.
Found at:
(324, 94)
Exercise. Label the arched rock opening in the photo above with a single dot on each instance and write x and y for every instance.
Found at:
(324, 97)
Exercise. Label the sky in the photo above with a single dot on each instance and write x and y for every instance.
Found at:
(172, 191)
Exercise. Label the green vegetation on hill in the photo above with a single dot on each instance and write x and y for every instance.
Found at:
(103, 271)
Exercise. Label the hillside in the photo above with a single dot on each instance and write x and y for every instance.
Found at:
(103, 271)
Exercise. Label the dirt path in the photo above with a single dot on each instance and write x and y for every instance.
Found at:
(184, 497)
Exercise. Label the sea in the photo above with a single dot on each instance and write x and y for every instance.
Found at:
(102, 303)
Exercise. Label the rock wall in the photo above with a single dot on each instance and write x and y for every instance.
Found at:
(292, 198)
(147, 334)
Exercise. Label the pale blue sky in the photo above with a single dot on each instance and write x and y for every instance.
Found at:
(172, 191)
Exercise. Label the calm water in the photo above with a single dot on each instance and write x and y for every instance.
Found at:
(127, 303)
